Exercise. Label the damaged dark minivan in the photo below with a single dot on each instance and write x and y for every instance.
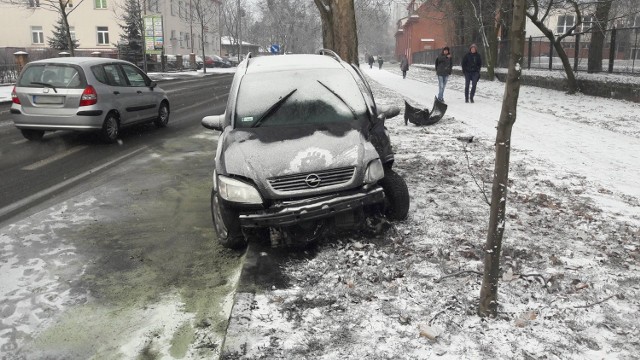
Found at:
(303, 151)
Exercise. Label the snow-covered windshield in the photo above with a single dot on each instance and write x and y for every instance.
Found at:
(315, 97)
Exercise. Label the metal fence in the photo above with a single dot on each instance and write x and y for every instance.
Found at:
(8, 73)
(620, 52)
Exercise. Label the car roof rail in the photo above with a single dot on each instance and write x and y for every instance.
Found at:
(330, 53)
(249, 56)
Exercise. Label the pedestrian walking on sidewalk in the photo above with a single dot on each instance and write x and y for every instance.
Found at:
(404, 66)
(471, 64)
(443, 70)
(370, 61)
(380, 61)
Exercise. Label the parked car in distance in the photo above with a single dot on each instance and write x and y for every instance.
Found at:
(186, 62)
(306, 154)
(85, 94)
(215, 61)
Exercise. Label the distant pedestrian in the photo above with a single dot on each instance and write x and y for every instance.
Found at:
(380, 61)
(370, 61)
(443, 70)
(404, 66)
(471, 65)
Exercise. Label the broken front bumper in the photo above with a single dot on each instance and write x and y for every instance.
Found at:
(293, 212)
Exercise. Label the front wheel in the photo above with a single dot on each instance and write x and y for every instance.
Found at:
(163, 115)
(396, 196)
(226, 224)
(32, 135)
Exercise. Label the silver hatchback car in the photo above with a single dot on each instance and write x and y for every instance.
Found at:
(85, 94)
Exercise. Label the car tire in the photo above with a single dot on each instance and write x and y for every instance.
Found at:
(396, 196)
(32, 135)
(110, 129)
(226, 224)
(163, 115)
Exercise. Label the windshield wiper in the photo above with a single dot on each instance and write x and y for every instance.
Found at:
(273, 108)
(353, 111)
(46, 85)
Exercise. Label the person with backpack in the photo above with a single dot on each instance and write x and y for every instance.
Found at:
(443, 70)
(471, 65)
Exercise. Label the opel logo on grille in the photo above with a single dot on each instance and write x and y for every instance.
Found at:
(312, 180)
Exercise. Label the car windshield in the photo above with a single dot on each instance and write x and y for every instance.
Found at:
(303, 97)
(52, 75)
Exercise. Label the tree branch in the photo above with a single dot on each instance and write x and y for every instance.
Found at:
(595, 303)
(457, 274)
(484, 194)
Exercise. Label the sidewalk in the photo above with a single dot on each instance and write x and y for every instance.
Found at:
(593, 137)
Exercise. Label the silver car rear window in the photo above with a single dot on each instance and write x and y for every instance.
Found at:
(57, 75)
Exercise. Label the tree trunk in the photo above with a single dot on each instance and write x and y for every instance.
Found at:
(65, 24)
(597, 36)
(204, 58)
(339, 31)
(489, 292)
(572, 84)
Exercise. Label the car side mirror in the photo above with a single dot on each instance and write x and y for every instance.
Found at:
(152, 85)
(213, 122)
(388, 112)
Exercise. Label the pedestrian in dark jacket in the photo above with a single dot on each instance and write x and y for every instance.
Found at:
(370, 61)
(443, 70)
(404, 66)
(380, 61)
(471, 64)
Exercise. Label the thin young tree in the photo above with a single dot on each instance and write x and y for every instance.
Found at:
(204, 15)
(339, 30)
(489, 292)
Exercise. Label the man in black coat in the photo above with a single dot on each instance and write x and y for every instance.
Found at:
(443, 70)
(404, 66)
(471, 64)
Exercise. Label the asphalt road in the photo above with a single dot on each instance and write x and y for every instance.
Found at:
(32, 172)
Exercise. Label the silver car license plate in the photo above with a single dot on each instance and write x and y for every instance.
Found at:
(55, 100)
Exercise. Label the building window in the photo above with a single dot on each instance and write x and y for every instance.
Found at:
(37, 35)
(34, 3)
(180, 9)
(565, 22)
(172, 5)
(103, 35)
(72, 32)
(154, 5)
(173, 35)
(100, 4)
(588, 22)
(187, 38)
(180, 39)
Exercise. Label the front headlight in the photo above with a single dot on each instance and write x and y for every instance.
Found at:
(374, 172)
(237, 191)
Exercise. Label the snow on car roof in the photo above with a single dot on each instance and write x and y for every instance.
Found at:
(291, 62)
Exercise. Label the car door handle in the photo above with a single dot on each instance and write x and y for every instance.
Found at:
(116, 93)
(139, 91)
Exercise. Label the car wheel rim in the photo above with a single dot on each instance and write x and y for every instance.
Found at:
(164, 114)
(217, 214)
(112, 128)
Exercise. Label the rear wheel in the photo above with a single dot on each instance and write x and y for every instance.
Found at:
(163, 115)
(396, 196)
(110, 129)
(226, 224)
(32, 135)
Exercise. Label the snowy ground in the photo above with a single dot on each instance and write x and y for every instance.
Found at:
(571, 282)
(5, 92)
(181, 74)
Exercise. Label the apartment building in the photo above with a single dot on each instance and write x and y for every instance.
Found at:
(94, 24)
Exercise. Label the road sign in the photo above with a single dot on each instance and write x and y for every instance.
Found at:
(274, 49)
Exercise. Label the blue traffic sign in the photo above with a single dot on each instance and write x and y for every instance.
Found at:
(275, 49)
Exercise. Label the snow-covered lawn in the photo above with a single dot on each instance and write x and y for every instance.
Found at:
(182, 74)
(571, 282)
(5, 92)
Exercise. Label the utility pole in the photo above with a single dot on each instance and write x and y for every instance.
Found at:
(191, 23)
(239, 24)
(144, 43)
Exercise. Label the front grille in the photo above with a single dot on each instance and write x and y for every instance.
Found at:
(306, 181)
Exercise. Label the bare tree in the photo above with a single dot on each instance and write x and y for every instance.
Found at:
(339, 31)
(601, 19)
(489, 292)
(538, 11)
(64, 8)
(204, 15)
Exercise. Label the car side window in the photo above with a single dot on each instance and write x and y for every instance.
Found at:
(136, 77)
(113, 75)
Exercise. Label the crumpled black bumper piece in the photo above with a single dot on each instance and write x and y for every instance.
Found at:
(294, 212)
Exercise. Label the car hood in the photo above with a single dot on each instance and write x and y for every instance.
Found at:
(266, 152)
